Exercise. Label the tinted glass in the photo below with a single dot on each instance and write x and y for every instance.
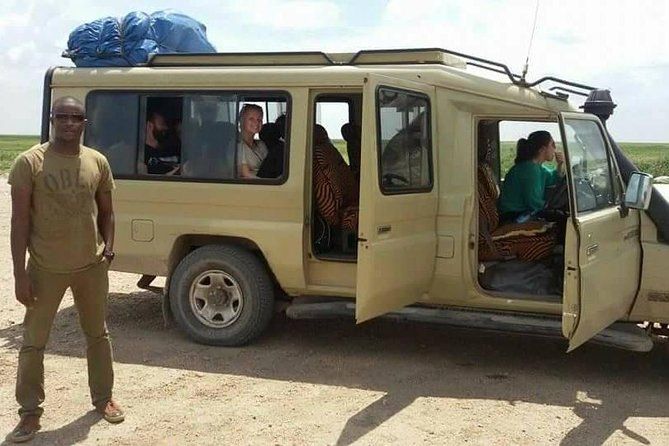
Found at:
(405, 144)
(591, 166)
(113, 128)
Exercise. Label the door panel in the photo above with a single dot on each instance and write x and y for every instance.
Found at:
(398, 196)
(608, 250)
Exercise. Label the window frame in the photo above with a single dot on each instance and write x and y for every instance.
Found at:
(379, 141)
(142, 96)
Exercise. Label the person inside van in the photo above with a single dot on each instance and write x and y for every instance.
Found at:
(281, 126)
(210, 144)
(335, 188)
(161, 148)
(250, 151)
(351, 134)
(272, 165)
(524, 188)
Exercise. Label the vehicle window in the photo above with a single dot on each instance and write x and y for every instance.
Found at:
(405, 146)
(591, 166)
(191, 136)
(113, 129)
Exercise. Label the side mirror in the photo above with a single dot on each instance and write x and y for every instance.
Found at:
(639, 188)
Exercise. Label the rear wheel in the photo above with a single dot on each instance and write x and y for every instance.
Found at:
(221, 295)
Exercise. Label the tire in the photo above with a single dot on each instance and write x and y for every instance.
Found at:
(221, 295)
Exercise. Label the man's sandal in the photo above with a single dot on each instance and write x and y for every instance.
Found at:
(25, 430)
(111, 412)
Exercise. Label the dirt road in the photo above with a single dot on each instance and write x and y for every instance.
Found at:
(333, 383)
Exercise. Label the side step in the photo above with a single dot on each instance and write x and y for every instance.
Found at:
(621, 335)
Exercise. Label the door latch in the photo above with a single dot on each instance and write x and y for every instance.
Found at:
(592, 249)
(384, 229)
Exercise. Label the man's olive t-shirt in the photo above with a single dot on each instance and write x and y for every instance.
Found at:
(64, 234)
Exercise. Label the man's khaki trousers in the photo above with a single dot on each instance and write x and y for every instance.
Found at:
(89, 288)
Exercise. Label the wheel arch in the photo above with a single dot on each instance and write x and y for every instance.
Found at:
(187, 243)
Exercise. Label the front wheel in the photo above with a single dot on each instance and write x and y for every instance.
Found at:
(221, 295)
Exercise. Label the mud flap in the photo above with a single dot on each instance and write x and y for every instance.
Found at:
(168, 317)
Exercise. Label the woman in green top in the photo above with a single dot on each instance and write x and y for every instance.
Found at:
(524, 187)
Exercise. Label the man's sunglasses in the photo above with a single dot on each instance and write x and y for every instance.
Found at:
(76, 117)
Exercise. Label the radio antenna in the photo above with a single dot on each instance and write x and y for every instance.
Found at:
(529, 47)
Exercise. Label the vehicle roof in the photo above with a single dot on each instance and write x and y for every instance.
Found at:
(437, 67)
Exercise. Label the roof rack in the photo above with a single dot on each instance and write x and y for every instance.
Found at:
(415, 56)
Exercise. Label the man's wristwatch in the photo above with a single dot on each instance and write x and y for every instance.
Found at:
(108, 254)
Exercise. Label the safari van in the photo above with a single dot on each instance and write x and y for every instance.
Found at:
(395, 216)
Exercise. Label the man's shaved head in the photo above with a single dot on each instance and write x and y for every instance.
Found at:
(68, 120)
(67, 102)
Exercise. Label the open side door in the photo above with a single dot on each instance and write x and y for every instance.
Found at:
(602, 250)
(397, 239)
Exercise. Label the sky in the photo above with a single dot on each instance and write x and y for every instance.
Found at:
(621, 45)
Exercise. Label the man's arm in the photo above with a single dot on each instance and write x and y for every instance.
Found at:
(20, 232)
(106, 220)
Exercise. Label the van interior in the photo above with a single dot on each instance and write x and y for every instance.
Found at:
(519, 260)
(523, 260)
(336, 175)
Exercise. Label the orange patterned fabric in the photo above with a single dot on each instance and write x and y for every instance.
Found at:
(335, 188)
(532, 248)
(488, 194)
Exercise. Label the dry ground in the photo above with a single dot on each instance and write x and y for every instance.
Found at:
(334, 383)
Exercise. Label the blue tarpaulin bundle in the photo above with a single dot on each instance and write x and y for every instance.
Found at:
(112, 42)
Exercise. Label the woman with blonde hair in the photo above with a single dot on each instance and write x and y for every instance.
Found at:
(250, 151)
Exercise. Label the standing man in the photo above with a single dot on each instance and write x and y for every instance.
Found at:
(62, 214)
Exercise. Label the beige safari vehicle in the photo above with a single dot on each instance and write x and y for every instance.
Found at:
(413, 238)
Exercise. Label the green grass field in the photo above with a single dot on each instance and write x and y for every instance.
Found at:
(652, 158)
(12, 145)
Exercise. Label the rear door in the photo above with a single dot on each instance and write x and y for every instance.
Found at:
(398, 196)
(603, 251)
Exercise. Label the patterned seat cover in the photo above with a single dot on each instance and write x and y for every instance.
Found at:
(335, 188)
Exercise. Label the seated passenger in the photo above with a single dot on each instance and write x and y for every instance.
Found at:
(161, 148)
(281, 126)
(272, 165)
(524, 187)
(211, 145)
(351, 134)
(335, 187)
(250, 151)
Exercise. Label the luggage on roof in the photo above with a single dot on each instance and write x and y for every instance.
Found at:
(129, 41)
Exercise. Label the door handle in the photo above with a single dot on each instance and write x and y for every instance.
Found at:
(384, 229)
(592, 249)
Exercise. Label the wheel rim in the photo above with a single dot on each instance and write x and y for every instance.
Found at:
(216, 299)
